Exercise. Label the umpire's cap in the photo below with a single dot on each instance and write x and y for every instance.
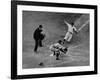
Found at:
(40, 26)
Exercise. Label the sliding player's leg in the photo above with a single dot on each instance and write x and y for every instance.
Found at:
(66, 37)
(69, 38)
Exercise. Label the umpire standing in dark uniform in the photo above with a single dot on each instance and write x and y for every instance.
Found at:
(38, 37)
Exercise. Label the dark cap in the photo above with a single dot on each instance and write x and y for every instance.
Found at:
(72, 23)
(40, 26)
(59, 41)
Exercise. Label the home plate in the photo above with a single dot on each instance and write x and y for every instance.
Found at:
(51, 55)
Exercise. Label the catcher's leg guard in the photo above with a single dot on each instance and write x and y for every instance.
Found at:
(57, 55)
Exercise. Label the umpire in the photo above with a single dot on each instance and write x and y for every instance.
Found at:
(38, 37)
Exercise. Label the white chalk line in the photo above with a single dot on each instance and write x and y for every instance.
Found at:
(83, 25)
(74, 46)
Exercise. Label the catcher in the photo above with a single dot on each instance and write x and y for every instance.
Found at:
(57, 49)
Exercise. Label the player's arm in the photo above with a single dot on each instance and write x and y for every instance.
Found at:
(67, 23)
(75, 30)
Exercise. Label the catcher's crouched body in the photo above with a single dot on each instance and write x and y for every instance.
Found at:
(58, 49)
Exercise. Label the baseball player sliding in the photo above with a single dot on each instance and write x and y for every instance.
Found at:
(71, 29)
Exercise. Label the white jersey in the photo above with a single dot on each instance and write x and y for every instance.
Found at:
(71, 28)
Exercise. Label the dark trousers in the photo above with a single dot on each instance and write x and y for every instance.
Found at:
(37, 44)
(57, 55)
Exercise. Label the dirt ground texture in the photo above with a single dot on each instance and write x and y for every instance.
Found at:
(55, 29)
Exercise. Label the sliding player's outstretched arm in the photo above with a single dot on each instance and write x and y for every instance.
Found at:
(67, 23)
(75, 30)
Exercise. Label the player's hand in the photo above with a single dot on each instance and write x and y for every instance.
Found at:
(76, 32)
